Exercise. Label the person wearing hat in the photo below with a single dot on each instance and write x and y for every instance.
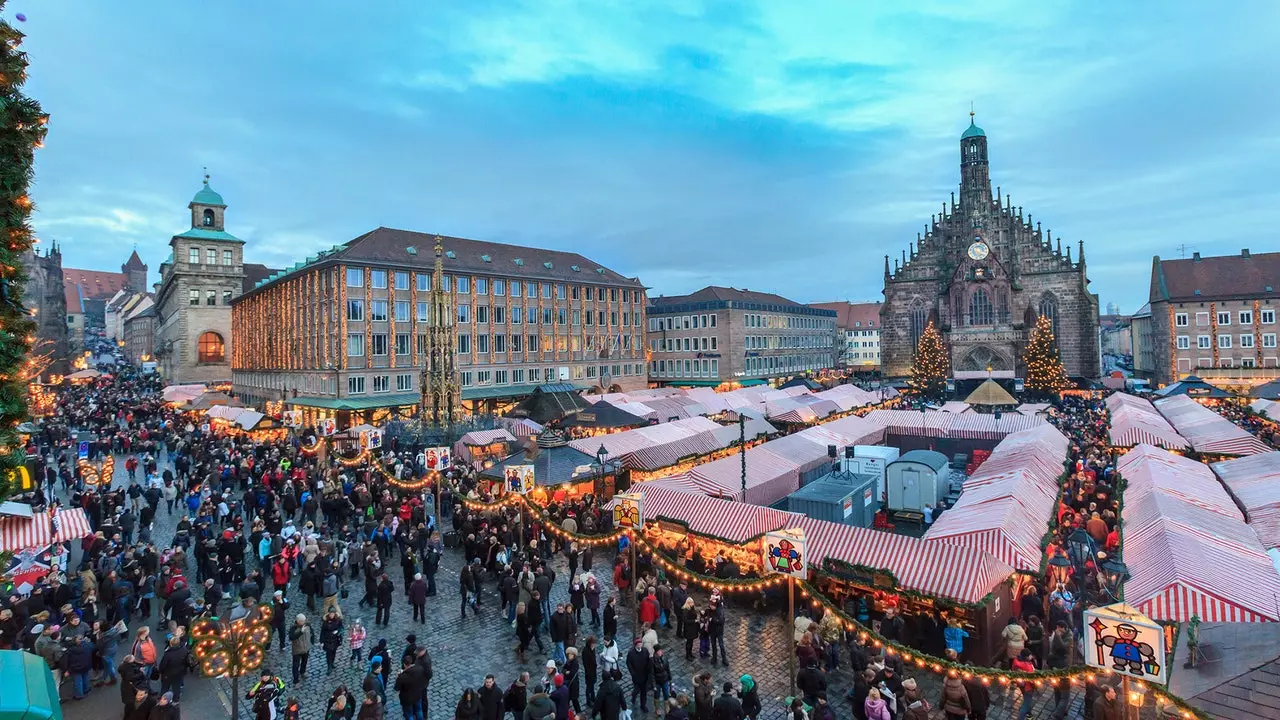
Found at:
(300, 637)
(640, 667)
(166, 708)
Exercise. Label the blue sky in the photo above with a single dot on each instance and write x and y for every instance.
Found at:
(783, 146)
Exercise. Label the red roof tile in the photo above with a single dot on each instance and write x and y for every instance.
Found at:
(1228, 277)
(853, 315)
(90, 284)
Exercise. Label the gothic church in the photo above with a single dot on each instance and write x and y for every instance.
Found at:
(982, 273)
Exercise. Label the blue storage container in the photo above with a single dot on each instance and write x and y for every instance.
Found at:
(839, 497)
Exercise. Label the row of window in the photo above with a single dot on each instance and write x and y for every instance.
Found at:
(861, 333)
(785, 363)
(1205, 342)
(695, 368)
(210, 256)
(1226, 362)
(1245, 317)
(776, 342)
(496, 314)
(484, 344)
(483, 286)
(210, 297)
(790, 322)
(689, 344)
(862, 343)
(682, 322)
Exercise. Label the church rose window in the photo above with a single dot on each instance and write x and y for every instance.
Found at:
(210, 348)
(980, 309)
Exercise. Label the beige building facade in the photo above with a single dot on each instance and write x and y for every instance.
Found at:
(346, 330)
(724, 335)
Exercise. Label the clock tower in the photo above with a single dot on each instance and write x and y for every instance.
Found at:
(982, 272)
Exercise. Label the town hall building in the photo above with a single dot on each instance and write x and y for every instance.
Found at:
(983, 273)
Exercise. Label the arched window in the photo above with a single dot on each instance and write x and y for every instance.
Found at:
(980, 310)
(919, 318)
(210, 348)
(208, 217)
(1049, 309)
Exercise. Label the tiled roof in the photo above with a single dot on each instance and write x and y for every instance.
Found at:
(90, 284)
(852, 316)
(1254, 695)
(135, 262)
(253, 272)
(392, 247)
(724, 294)
(1245, 276)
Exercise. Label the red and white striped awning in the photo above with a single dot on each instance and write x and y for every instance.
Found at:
(1135, 421)
(18, 533)
(1254, 481)
(659, 456)
(72, 525)
(481, 438)
(1187, 546)
(714, 517)
(1206, 430)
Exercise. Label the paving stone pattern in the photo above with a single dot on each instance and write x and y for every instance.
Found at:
(463, 651)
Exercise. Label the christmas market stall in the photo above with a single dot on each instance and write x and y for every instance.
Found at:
(1207, 431)
(1193, 387)
(801, 409)
(1254, 482)
(670, 448)
(1270, 409)
(990, 396)
(83, 377)
(1006, 507)
(1187, 546)
(519, 427)
(1135, 421)
(601, 418)
(549, 402)
(559, 471)
(480, 446)
(35, 541)
(1267, 391)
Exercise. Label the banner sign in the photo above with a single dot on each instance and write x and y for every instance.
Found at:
(628, 511)
(785, 553)
(519, 478)
(326, 426)
(1121, 639)
(437, 459)
(292, 418)
(370, 439)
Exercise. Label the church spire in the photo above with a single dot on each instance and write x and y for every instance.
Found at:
(975, 180)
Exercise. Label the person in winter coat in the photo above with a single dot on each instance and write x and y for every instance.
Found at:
(490, 696)
(610, 701)
(468, 706)
(371, 708)
(1015, 639)
(139, 707)
(560, 697)
(639, 666)
(411, 683)
(749, 696)
(540, 706)
(331, 634)
(300, 638)
(79, 664)
(979, 698)
(265, 695)
(727, 706)
(418, 597)
(660, 676)
(165, 709)
(572, 672)
(385, 592)
(173, 668)
(875, 708)
(516, 697)
(341, 706)
(704, 696)
(955, 699)
(1107, 706)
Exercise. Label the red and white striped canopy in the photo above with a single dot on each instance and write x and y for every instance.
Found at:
(1135, 421)
(1006, 506)
(1254, 481)
(1206, 430)
(19, 533)
(72, 524)
(1187, 545)
(714, 517)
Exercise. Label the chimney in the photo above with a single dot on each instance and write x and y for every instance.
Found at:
(1195, 257)
(1244, 253)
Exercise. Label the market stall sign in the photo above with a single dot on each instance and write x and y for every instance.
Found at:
(1120, 639)
(785, 553)
(628, 511)
(519, 478)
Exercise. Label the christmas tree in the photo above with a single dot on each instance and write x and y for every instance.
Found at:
(1045, 373)
(22, 130)
(931, 365)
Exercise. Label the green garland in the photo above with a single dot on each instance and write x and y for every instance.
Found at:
(22, 128)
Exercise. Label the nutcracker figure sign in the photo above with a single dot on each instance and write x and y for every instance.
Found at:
(519, 479)
(1123, 640)
(628, 511)
(785, 553)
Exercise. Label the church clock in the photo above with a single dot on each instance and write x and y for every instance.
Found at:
(979, 250)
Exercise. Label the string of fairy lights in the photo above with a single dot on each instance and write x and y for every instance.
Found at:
(234, 648)
(811, 593)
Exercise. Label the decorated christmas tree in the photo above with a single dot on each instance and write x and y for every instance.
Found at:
(1045, 373)
(22, 130)
(931, 365)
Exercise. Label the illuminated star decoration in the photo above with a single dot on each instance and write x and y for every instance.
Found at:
(784, 557)
(235, 648)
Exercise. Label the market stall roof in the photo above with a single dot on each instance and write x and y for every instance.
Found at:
(1206, 430)
(1187, 546)
(182, 393)
(802, 382)
(1007, 505)
(1267, 408)
(1268, 391)
(19, 533)
(1195, 387)
(30, 692)
(774, 468)
(1254, 482)
(520, 427)
(549, 402)
(969, 425)
(604, 414)
(481, 438)
(990, 393)
(210, 399)
(86, 374)
(1136, 421)
(734, 522)
(553, 465)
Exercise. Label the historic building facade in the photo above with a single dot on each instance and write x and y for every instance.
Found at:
(198, 281)
(1215, 317)
(983, 273)
(351, 329)
(725, 335)
(44, 293)
(859, 324)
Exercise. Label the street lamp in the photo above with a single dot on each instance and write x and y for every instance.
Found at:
(1114, 575)
(601, 456)
(234, 648)
(1059, 568)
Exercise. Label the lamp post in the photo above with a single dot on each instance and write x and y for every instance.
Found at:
(1114, 575)
(232, 648)
(742, 450)
(1080, 551)
(601, 455)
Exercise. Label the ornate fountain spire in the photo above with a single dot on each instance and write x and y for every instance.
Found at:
(441, 401)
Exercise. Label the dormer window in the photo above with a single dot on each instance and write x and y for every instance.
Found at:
(208, 217)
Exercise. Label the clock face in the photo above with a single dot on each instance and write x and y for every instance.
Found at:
(979, 250)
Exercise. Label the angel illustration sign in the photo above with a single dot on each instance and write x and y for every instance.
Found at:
(1121, 639)
(326, 426)
(785, 553)
(628, 511)
(520, 478)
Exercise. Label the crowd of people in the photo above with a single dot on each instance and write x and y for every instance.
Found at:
(265, 522)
